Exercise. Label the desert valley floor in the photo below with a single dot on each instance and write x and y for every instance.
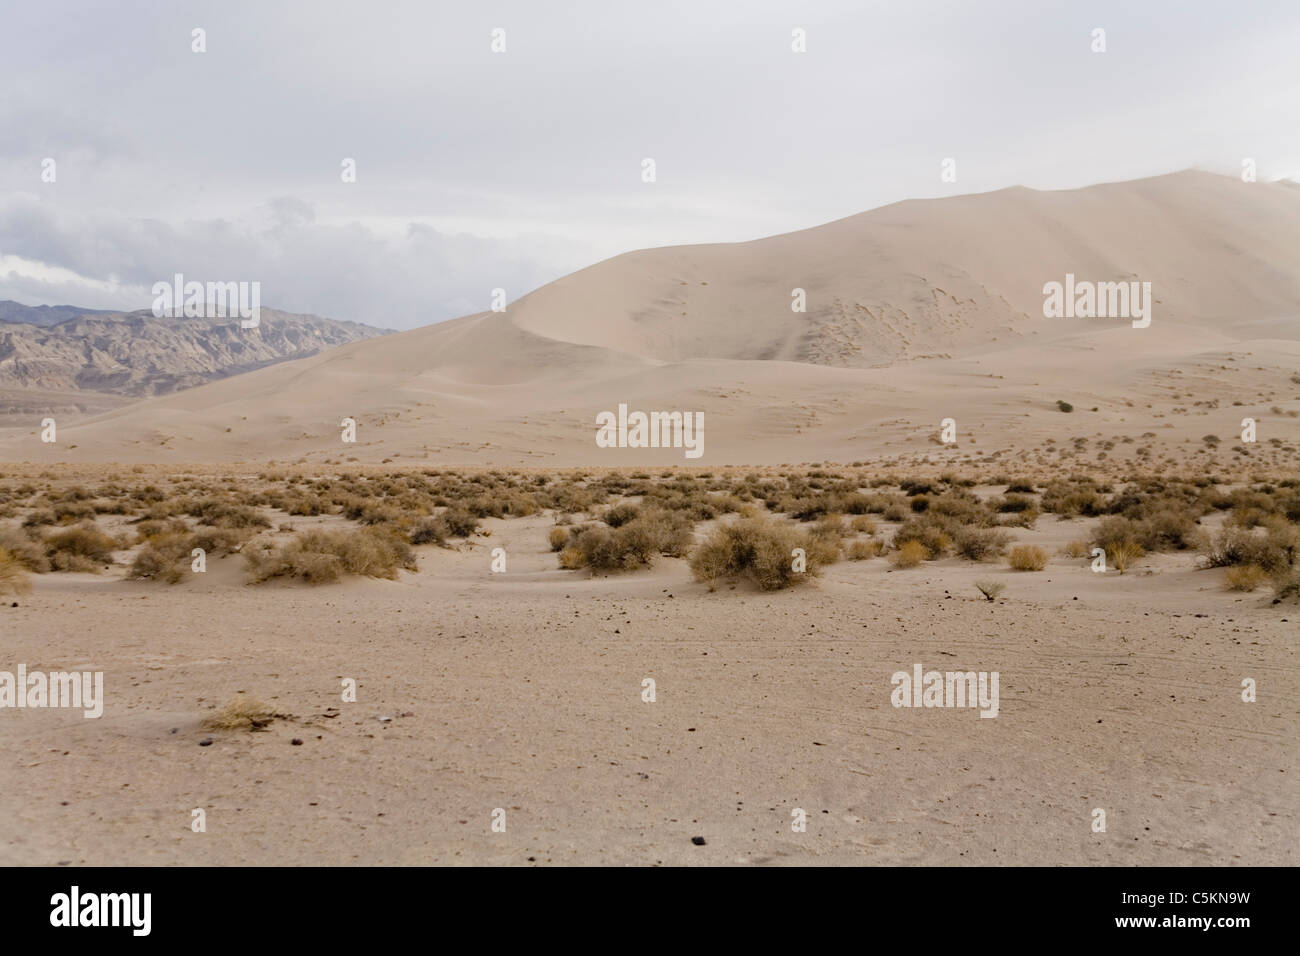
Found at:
(522, 691)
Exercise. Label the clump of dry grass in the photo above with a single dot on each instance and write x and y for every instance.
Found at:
(14, 578)
(322, 557)
(635, 542)
(762, 549)
(1027, 557)
(909, 554)
(80, 548)
(240, 713)
(558, 537)
(991, 590)
(1244, 577)
(27, 550)
(863, 524)
(863, 549)
(1123, 554)
(167, 557)
(1076, 549)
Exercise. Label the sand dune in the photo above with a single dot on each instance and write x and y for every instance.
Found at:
(916, 312)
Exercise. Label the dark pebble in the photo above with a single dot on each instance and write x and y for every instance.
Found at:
(698, 841)
(297, 741)
(205, 742)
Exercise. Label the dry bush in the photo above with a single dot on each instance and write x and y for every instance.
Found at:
(321, 557)
(162, 559)
(1273, 551)
(761, 549)
(863, 524)
(1244, 577)
(226, 514)
(240, 713)
(1123, 554)
(1286, 585)
(153, 527)
(81, 548)
(977, 544)
(459, 522)
(1027, 557)
(25, 549)
(557, 537)
(14, 578)
(1076, 549)
(861, 550)
(990, 589)
(909, 554)
(633, 544)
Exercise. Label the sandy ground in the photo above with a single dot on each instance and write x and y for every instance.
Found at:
(522, 691)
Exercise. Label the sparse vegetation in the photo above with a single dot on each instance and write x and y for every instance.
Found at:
(1027, 558)
(761, 549)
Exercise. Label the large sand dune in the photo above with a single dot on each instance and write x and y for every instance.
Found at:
(916, 312)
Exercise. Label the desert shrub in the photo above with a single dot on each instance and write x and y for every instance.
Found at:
(621, 514)
(25, 549)
(1122, 554)
(1020, 487)
(1244, 577)
(225, 514)
(429, 531)
(240, 713)
(1167, 530)
(459, 522)
(219, 540)
(1064, 406)
(557, 538)
(895, 511)
(635, 543)
(318, 556)
(861, 550)
(980, 543)
(1012, 503)
(863, 524)
(153, 527)
(909, 554)
(759, 548)
(165, 558)
(1273, 551)
(1286, 585)
(1069, 499)
(39, 517)
(934, 533)
(1115, 531)
(1027, 557)
(80, 548)
(1076, 549)
(14, 578)
(990, 589)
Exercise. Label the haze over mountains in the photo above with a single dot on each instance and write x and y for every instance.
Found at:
(916, 312)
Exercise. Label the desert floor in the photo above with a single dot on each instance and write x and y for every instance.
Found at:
(522, 691)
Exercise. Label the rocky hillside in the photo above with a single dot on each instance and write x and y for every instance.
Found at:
(135, 354)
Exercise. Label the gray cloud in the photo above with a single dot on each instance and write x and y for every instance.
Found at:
(478, 170)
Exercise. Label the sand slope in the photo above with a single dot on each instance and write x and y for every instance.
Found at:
(915, 312)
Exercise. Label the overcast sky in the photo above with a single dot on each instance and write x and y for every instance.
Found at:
(478, 170)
